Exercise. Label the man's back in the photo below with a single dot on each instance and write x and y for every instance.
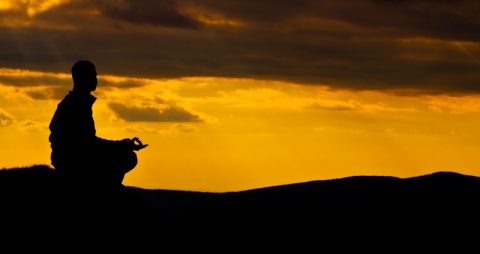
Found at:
(72, 125)
(77, 153)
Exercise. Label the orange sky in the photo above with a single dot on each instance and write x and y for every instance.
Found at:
(232, 97)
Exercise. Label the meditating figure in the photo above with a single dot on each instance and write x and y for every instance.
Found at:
(77, 153)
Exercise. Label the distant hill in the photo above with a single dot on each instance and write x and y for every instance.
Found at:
(431, 190)
(350, 206)
(442, 204)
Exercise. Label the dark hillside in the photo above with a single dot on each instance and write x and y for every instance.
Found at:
(37, 195)
(442, 203)
(359, 192)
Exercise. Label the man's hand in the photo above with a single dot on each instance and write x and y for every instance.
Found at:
(135, 143)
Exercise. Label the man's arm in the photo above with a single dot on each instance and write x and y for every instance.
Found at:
(134, 143)
(128, 143)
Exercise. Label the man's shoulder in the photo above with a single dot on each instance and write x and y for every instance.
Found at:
(74, 98)
(65, 101)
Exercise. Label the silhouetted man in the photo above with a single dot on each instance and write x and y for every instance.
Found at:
(77, 152)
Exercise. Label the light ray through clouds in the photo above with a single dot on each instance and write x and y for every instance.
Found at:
(464, 48)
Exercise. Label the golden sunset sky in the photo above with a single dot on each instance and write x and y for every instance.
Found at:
(242, 94)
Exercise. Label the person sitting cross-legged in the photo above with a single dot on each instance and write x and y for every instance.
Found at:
(77, 152)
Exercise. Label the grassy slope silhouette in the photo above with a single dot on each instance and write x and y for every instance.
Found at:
(428, 204)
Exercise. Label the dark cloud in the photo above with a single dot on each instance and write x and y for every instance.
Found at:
(32, 81)
(427, 46)
(252, 11)
(49, 93)
(57, 84)
(39, 95)
(416, 1)
(120, 84)
(75, 13)
(444, 19)
(154, 12)
(336, 105)
(6, 118)
(151, 114)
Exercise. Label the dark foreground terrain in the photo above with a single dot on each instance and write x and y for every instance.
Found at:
(383, 209)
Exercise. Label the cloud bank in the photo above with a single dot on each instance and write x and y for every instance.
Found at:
(153, 114)
(420, 46)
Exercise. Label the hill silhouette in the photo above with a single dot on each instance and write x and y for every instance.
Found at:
(442, 203)
(34, 197)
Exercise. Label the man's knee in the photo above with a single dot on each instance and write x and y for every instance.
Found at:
(130, 161)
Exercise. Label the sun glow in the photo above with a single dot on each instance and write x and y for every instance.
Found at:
(32, 7)
(240, 134)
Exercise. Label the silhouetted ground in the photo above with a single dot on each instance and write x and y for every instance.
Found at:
(373, 209)
(378, 209)
(34, 198)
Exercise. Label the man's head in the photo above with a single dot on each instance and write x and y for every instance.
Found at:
(84, 76)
